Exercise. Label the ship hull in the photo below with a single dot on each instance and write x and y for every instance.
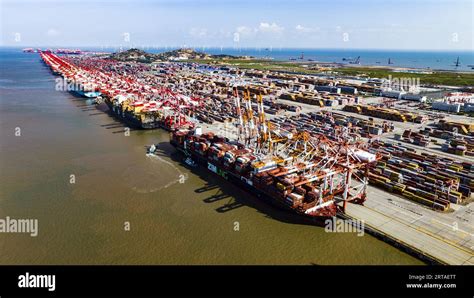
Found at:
(79, 90)
(129, 119)
(241, 182)
(87, 94)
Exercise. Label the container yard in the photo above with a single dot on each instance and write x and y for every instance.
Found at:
(311, 145)
(384, 113)
(455, 102)
(427, 179)
(210, 141)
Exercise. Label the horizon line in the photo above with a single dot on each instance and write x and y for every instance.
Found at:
(234, 48)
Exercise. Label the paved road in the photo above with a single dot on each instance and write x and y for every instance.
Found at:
(412, 235)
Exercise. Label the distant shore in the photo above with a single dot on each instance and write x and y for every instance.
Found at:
(409, 59)
(427, 77)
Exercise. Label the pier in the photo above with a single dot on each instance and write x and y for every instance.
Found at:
(415, 240)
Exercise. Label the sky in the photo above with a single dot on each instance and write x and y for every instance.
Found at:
(342, 24)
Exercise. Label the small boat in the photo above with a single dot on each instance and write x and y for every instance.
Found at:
(190, 162)
(152, 149)
(98, 100)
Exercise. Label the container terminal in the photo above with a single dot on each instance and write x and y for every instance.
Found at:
(316, 146)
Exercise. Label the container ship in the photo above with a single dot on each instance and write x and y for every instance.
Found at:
(81, 91)
(138, 105)
(317, 187)
(30, 50)
(75, 80)
(146, 114)
(136, 114)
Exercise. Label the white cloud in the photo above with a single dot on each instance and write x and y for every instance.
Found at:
(52, 32)
(264, 31)
(198, 32)
(302, 29)
(270, 28)
(244, 30)
(389, 29)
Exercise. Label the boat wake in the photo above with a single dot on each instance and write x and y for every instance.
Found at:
(180, 176)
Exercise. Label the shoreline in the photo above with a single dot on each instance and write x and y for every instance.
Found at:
(419, 70)
(216, 51)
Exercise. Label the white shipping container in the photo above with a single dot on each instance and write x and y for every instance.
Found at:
(442, 106)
